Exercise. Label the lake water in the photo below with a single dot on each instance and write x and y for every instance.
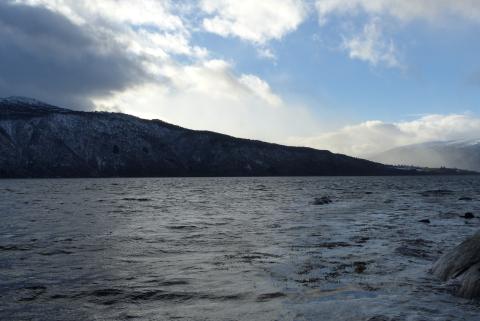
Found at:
(232, 248)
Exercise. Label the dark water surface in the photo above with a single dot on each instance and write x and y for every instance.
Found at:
(232, 248)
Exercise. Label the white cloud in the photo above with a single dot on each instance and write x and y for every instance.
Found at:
(261, 89)
(209, 96)
(404, 10)
(145, 27)
(198, 92)
(216, 79)
(266, 53)
(253, 20)
(376, 136)
(140, 12)
(371, 46)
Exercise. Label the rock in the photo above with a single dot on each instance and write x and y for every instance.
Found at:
(465, 199)
(469, 215)
(322, 200)
(470, 286)
(426, 221)
(462, 263)
(360, 267)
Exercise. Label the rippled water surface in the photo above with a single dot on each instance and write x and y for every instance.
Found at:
(232, 248)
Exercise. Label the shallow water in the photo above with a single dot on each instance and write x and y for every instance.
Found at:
(232, 248)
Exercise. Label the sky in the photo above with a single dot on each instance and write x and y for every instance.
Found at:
(352, 76)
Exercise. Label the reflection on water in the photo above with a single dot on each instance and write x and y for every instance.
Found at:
(232, 248)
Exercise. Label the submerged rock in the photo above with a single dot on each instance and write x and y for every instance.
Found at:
(360, 267)
(462, 263)
(469, 215)
(322, 200)
(426, 221)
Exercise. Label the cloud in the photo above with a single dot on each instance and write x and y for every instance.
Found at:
(45, 55)
(252, 20)
(216, 79)
(210, 96)
(69, 52)
(141, 12)
(403, 10)
(369, 43)
(371, 46)
(373, 137)
(138, 57)
(261, 89)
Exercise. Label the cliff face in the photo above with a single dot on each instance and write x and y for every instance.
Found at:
(39, 140)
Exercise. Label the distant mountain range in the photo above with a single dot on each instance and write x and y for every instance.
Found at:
(463, 154)
(40, 140)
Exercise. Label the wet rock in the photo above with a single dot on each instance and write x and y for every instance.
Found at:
(470, 286)
(465, 199)
(360, 267)
(426, 221)
(322, 200)
(469, 215)
(462, 263)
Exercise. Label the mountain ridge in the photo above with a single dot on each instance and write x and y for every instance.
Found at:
(463, 154)
(41, 140)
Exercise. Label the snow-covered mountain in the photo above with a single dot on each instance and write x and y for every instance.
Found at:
(463, 154)
(18, 100)
(40, 140)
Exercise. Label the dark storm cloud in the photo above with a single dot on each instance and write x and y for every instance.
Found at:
(45, 56)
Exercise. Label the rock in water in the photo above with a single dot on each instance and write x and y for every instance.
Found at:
(469, 215)
(322, 200)
(471, 283)
(462, 262)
